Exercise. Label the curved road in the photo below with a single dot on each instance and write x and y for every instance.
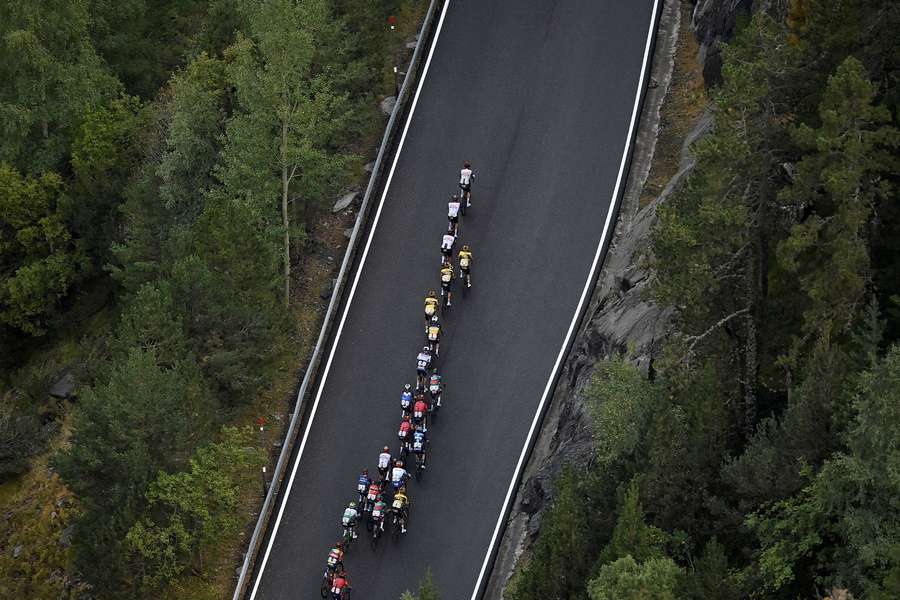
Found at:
(539, 95)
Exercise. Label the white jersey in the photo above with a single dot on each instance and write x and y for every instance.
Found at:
(452, 210)
(466, 176)
(423, 360)
(398, 474)
(448, 241)
(384, 459)
(349, 515)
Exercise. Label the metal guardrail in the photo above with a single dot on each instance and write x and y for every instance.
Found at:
(259, 532)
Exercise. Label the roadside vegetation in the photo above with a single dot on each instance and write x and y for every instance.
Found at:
(167, 169)
(759, 458)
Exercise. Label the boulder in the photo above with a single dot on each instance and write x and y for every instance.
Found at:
(65, 387)
(369, 167)
(65, 539)
(387, 105)
(345, 201)
(327, 289)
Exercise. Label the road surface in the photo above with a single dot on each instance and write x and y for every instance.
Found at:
(538, 95)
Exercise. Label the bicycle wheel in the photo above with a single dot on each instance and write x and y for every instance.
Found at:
(325, 588)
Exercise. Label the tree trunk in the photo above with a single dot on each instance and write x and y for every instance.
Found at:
(285, 180)
(751, 360)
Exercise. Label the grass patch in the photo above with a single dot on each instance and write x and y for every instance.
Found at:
(685, 102)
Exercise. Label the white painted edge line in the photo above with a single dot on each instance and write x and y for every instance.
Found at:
(575, 319)
(312, 414)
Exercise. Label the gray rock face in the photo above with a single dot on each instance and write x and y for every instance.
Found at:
(65, 387)
(387, 105)
(65, 539)
(345, 201)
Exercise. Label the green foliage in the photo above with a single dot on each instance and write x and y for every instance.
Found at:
(143, 419)
(194, 138)
(625, 579)
(51, 76)
(632, 536)
(621, 401)
(427, 590)
(105, 153)
(38, 259)
(191, 511)
(838, 181)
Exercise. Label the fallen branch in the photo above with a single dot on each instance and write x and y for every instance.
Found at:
(696, 339)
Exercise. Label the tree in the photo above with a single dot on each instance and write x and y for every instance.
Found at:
(191, 511)
(837, 185)
(106, 152)
(632, 536)
(427, 591)
(621, 401)
(625, 579)
(142, 420)
(196, 127)
(39, 260)
(281, 143)
(51, 76)
(842, 527)
(562, 558)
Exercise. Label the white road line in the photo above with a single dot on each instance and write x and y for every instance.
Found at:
(584, 295)
(312, 414)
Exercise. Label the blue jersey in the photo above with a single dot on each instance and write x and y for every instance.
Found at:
(418, 441)
(363, 482)
(406, 399)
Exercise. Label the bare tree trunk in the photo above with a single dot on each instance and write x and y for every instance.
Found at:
(751, 359)
(285, 181)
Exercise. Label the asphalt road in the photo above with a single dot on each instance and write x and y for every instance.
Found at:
(538, 95)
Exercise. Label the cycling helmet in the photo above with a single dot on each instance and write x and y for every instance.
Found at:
(465, 247)
(406, 417)
(450, 230)
(365, 472)
(407, 387)
(352, 504)
(434, 371)
(339, 545)
(466, 165)
(454, 198)
(386, 449)
(424, 348)
(432, 294)
(434, 319)
(399, 463)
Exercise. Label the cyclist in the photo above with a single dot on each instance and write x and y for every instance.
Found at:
(340, 587)
(447, 276)
(335, 560)
(466, 177)
(436, 388)
(378, 511)
(404, 434)
(447, 243)
(453, 213)
(373, 493)
(348, 520)
(400, 508)
(420, 409)
(431, 305)
(362, 484)
(419, 444)
(423, 361)
(406, 399)
(399, 475)
(384, 462)
(433, 333)
(465, 265)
